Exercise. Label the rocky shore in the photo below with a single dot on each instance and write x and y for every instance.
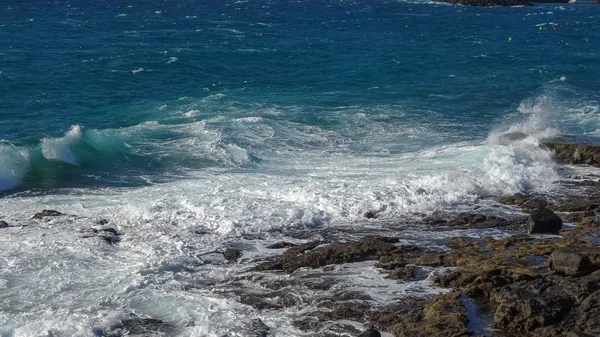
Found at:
(542, 279)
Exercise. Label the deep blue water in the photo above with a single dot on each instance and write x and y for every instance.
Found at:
(136, 77)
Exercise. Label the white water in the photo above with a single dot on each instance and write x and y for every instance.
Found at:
(57, 278)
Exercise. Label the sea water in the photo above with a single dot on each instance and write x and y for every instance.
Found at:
(192, 126)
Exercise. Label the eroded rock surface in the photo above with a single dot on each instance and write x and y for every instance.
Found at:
(368, 248)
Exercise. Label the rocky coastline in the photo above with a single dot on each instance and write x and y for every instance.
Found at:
(542, 280)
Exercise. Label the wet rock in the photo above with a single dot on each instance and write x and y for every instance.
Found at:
(135, 326)
(570, 263)
(368, 248)
(349, 310)
(109, 235)
(4, 224)
(577, 217)
(543, 221)
(527, 203)
(46, 213)
(259, 328)
(280, 245)
(102, 222)
(588, 315)
(467, 220)
(590, 222)
(406, 273)
(232, 254)
(444, 315)
(433, 260)
(371, 215)
(578, 334)
(578, 204)
(572, 153)
(370, 332)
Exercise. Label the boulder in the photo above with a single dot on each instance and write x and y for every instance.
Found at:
(570, 263)
(4, 224)
(543, 221)
(46, 213)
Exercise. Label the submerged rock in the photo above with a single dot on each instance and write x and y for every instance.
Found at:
(138, 327)
(280, 245)
(46, 213)
(109, 235)
(542, 221)
(232, 254)
(370, 332)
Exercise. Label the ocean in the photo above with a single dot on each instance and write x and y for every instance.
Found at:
(193, 126)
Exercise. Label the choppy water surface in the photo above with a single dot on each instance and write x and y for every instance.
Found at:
(192, 127)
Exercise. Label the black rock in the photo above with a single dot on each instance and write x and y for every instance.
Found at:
(4, 224)
(543, 221)
(45, 213)
(259, 329)
(371, 215)
(370, 332)
(232, 254)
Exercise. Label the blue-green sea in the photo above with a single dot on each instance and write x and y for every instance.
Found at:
(247, 120)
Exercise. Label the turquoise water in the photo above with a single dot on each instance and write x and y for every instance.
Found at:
(189, 127)
(117, 71)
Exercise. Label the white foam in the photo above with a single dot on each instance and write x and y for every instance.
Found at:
(59, 149)
(14, 163)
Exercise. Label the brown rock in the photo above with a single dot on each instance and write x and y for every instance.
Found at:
(45, 213)
(572, 153)
(406, 273)
(570, 263)
(444, 315)
(368, 248)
